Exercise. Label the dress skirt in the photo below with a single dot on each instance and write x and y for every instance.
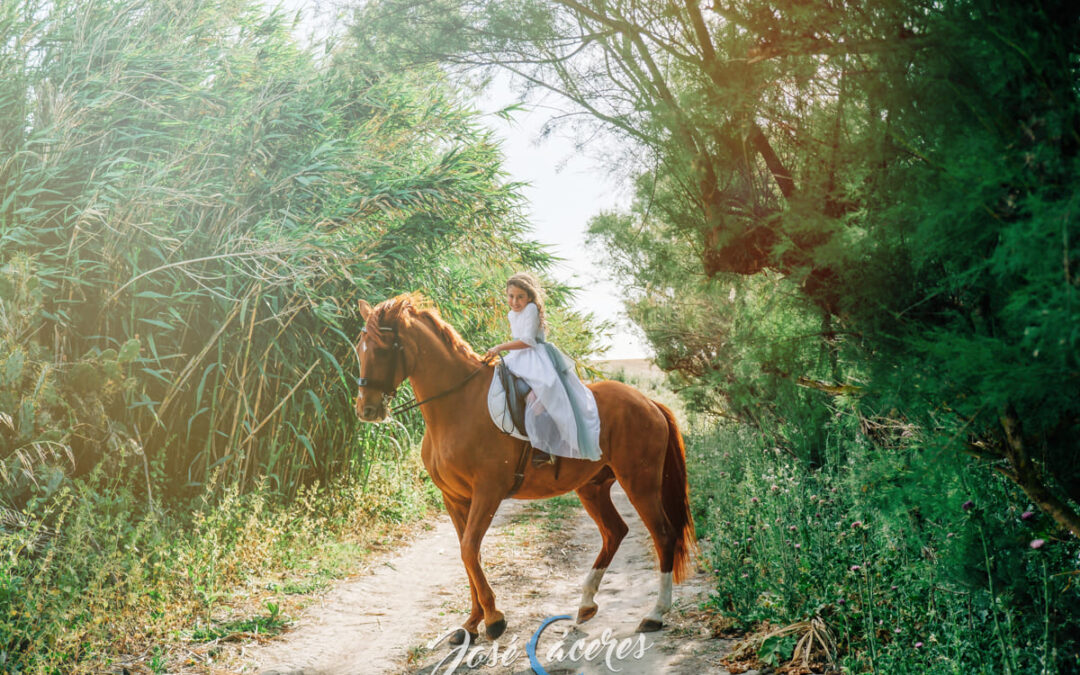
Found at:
(561, 417)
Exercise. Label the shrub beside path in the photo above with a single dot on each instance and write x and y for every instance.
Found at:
(536, 556)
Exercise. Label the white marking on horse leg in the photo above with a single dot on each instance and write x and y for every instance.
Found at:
(592, 585)
(663, 601)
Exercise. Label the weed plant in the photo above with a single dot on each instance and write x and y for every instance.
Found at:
(918, 560)
(123, 583)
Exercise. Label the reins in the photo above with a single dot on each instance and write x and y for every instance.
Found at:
(409, 405)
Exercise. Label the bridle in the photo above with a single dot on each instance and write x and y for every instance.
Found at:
(388, 387)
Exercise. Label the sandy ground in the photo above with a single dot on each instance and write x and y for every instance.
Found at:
(388, 621)
(639, 368)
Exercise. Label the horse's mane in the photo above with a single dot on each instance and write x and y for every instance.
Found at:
(401, 311)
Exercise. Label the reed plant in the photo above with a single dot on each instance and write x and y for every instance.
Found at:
(192, 203)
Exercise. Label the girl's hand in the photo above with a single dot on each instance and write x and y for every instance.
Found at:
(494, 351)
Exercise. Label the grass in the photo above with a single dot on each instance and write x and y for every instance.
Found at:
(164, 590)
(908, 561)
(553, 511)
(270, 624)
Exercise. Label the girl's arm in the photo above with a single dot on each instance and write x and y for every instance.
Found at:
(508, 346)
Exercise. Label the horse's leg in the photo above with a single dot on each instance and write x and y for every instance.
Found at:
(596, 498)
(459, 513)
(645, 494)
(481, 511)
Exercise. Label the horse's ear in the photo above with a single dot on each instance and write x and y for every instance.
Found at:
(365, 309)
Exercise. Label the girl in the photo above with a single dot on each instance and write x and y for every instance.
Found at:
(560, 413)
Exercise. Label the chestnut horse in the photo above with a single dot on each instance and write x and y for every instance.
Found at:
(473, 463)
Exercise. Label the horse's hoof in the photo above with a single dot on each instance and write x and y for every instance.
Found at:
(649, 626)
(496, 629)
(586, 613)
(459, 637)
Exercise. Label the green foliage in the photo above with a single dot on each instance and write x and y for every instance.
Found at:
(887, 550)
(936, 313)
(118, 579)
(777, 649)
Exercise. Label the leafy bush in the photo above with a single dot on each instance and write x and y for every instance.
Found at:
(917, 562)
(118, 581)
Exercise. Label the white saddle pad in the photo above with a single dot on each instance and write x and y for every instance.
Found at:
(499, 411)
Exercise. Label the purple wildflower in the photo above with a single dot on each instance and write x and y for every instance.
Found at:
(918, 645)
(856, 525)
(855, 568)
(1027, 515)
(1037, 543)
(968, 505)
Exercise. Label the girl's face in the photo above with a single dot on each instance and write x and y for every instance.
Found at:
(517, 298)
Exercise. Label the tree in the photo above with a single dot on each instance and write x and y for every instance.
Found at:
(745, 112)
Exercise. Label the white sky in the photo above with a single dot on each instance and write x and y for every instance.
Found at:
(565, 188)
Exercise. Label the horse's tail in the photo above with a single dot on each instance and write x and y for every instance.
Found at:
(676, 498)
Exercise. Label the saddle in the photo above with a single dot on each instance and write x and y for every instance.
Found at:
(506, 405)
(506, 401)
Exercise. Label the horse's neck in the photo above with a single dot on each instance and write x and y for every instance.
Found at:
(439, 368)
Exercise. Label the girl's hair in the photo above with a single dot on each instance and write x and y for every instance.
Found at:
(531, 285)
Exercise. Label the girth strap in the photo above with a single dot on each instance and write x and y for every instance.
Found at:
(519, 471)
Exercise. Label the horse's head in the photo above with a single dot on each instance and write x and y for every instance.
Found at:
(400, 335)
(382, 365)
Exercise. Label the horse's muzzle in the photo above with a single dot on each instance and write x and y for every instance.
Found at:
(371, 412)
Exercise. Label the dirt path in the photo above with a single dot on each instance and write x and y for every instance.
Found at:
(386, 621)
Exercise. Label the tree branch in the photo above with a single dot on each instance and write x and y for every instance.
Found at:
(1027, 475)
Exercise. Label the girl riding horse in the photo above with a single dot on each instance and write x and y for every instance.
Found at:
(560, 413)
(473, 463)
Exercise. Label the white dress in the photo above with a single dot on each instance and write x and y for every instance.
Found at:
(560, 413)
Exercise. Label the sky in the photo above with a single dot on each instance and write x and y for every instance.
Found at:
(565, 187)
